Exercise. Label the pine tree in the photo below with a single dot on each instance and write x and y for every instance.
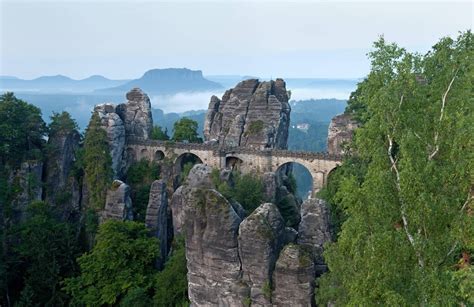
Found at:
(98, 163)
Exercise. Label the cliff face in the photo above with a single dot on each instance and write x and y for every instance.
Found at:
(340, 132)
(61, 187)
(253, 114)
(236, 261)
(136, 114)
(130, 119)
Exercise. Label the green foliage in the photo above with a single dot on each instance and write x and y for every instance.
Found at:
(137, 297)
(289, 210)
(21, 131)
(267, 290)
(121, 262)
(246, 190)
(255, 127)
(43, 254)
(171, 283)
(409, 221)
(140, 176)
(97, 162)
(158, 134)
(353, 167)
(61, 123)
(187, 167)
(185, 130)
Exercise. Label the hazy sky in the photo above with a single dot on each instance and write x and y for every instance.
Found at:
(122, 39)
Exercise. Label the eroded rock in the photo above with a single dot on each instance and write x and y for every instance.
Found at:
(211, 227)
(118, 204)
(340, 133)
(293, 278)
(252, 114)
(27, 181)
(156, 218)
(261, 237)
(114, 126)
(61, 188)
(314, 230)
(136, 114)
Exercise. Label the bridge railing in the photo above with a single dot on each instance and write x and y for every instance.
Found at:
(223, 150)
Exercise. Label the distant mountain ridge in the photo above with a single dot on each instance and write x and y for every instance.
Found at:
(168, 81)
(57, 83)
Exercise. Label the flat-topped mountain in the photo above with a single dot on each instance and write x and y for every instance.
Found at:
(169, 81)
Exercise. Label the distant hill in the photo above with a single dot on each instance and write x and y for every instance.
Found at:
(58, 83)
(168, 81)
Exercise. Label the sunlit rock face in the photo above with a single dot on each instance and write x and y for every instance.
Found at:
(253, 114)
(340, 133)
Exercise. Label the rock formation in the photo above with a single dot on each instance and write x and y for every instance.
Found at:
(118, 204)
(340, 132)
(136, 114)
(261, 237)
(113, 125)
(156, 218)
(177, 210)
(212, 250)
(130, 119)
(233, 261)
(293, 279)
(314, 230)
(27, 180)
(253, 114)
(61, 188)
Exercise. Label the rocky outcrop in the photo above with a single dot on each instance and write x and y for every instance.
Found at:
(314, 230)
(156, 218)
(293, 278)
(27, 183)
(61, 188)
(130, 119)
(340, 133)
(212, 250)
(253, 114)
(261, 237)
(177, 210)
(136, 114)
(118, 204)
(269, 186)
(114, 126)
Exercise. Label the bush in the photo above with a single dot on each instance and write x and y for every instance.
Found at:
(172, 283)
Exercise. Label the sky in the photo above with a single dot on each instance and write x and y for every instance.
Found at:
(123, 39)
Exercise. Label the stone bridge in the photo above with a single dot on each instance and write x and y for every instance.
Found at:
(245, 159)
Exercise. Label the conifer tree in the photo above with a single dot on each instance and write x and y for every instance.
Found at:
(98, 163)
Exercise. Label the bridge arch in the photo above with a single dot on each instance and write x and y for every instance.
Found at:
(233, 162)
(301, 175)
(159, 155)
(182, 165)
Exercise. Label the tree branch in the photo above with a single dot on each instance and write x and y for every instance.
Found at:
(402, 207)
(441, 116)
